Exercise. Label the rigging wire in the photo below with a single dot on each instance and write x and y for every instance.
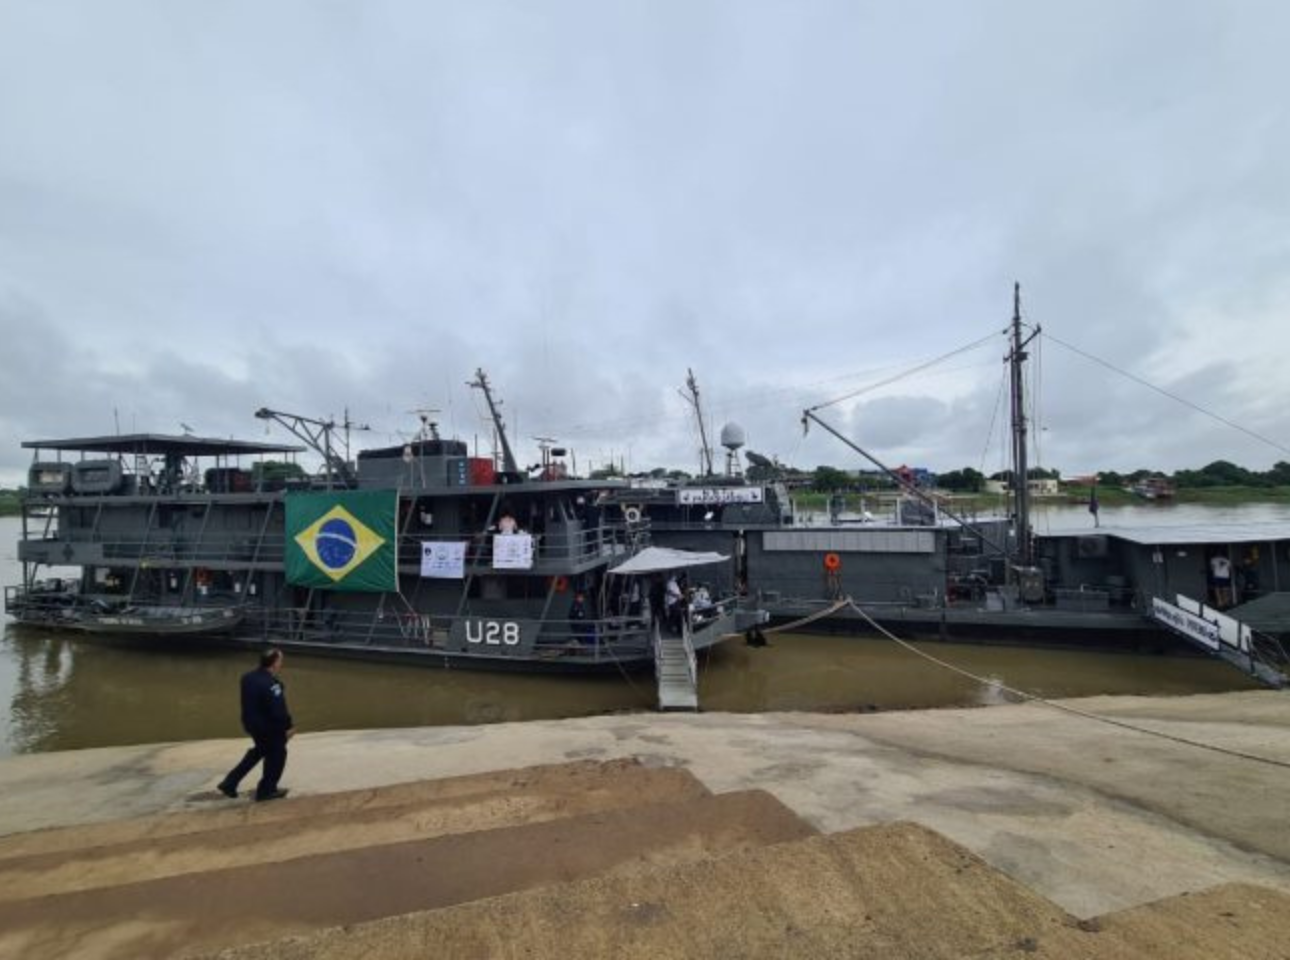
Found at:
(994, 418)
(1037, 407)
(900, 376)
(722, 406)
(1172, 396)
(717, 403)
(1034, 698)
(1036, 394)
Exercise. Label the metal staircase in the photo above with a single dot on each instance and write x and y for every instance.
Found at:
(1220, 635)
(676, 668)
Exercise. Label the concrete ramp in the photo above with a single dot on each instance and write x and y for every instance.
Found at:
(205, 909)
(899, 892)
(565, 861)
(1230, 922)
(244, 833)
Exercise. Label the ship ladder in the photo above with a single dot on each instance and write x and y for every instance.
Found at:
(1219, 635)
(676, 668)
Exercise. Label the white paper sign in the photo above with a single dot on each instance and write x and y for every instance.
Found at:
(513, 551)
(443, 560)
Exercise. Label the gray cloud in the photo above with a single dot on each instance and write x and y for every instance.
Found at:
(317, 206)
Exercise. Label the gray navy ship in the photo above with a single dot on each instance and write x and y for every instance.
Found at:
(416, 552)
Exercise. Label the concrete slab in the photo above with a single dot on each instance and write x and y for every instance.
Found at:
(1096, 818)
(212, 909)
(170, 845)
(896, 891)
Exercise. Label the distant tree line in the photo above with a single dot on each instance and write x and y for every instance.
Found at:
(1220, 473)
(11, 502)
(829, 479)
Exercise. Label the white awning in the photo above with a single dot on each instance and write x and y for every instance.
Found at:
(659, 559)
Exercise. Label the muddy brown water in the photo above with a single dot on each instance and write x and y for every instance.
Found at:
(62, 692)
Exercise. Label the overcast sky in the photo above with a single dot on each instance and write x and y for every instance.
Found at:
(210, 207)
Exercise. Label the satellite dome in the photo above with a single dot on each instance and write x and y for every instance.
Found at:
(732, 436)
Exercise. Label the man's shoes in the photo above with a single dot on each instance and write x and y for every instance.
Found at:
(230, 792)
(275, 795)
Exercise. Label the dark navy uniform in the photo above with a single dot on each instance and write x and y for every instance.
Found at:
(266, 718)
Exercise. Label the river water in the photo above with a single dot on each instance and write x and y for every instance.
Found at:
(62, 692)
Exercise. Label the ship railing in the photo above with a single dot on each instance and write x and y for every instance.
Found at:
(211, 548)
(627, 529)
(613, 638)
(576, 547)
(44, 601)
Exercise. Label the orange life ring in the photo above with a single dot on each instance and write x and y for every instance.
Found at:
(560, 584)
(832, 562)
(202, 576)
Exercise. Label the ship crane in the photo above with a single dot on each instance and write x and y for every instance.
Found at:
(316, 434)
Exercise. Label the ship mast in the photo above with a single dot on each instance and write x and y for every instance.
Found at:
(1020, 470)
(481, 383)
(705, 451)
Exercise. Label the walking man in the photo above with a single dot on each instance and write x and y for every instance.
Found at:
(266, 718)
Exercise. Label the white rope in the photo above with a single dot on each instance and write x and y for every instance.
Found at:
(819, 615)
(1057, 706)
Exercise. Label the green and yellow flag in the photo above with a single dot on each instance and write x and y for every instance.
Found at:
(343, 541)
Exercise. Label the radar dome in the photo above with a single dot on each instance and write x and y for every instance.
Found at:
(732, 436)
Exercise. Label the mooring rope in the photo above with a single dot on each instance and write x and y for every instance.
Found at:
(811, 618)
(1024, 695)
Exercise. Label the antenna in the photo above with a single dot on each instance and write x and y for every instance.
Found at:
(429, 426)
(545, 445)
(349, 425)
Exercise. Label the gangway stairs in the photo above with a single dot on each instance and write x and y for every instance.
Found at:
(1258, 655)
(676, 669)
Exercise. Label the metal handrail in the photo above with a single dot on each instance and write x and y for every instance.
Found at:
(582, 547)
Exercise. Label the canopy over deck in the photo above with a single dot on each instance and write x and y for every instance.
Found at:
(162, 445)
(660, 559)
(1188, 534)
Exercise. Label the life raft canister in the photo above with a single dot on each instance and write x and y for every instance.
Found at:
(832, 562)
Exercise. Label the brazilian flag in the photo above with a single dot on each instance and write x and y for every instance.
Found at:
(343, 540)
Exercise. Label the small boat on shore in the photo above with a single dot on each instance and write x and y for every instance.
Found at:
(59, 604)
(1154, 488)
(156, 621)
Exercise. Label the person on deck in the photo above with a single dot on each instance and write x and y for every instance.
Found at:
(672, 601)
(579, 628)
(1220, 575)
